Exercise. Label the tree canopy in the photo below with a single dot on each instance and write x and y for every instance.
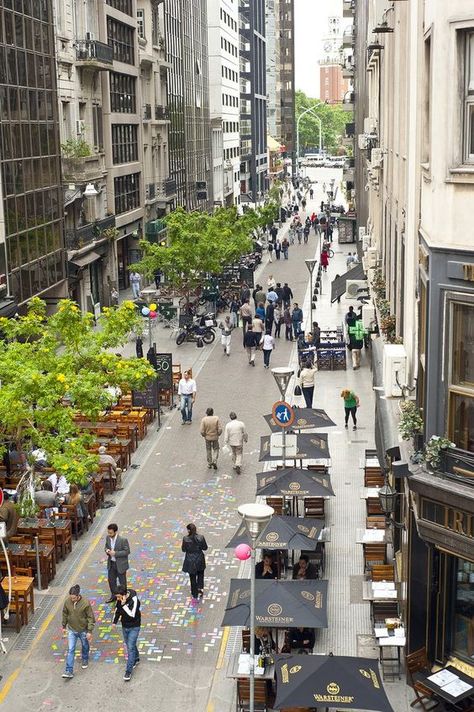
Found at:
(333, 119)
(54, 367)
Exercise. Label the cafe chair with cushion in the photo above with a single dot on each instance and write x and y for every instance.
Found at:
(373, 477)
(314, 507)
(376, 522)
(383, 572)
(22, 571)
(263, 698)
(374, 554)
(418, 668)
(384, 609)
(374, 508)
(277, 504)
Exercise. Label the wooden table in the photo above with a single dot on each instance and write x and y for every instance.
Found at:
(47, 557)
(393, 639)
(443, 691)
(62, 530)
(371, 536)
(22, 595)
(268, 673)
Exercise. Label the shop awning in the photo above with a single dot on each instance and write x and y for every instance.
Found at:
(338, 285)
(283, 533)
(386, 430)
(84, 260)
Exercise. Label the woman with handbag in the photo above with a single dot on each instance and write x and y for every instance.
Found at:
(194, 563)
(307, 376)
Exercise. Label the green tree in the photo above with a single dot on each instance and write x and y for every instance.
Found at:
(199, 244)
(333, 121)
(55, 367)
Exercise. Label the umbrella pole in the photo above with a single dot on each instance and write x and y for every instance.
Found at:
(252, 629)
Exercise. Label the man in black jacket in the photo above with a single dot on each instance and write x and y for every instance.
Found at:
(287, 295)
(128, 611)
(251, 341)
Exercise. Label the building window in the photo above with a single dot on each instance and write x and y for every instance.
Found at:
(124, 143)
(97, 127)
(124, 6)
(426, 116)
(468, 108)
(464, 610)
(122, 93)
(127, 193)
(141, 23)
(461, 381)
(121, 38)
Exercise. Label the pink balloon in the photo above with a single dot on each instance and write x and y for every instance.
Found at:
(152, 315)
(243, 552)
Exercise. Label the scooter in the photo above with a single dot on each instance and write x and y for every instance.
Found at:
(202, 327)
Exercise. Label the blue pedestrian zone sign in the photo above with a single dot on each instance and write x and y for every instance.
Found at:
(283, 414)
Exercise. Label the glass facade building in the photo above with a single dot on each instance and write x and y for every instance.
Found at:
(29, 151)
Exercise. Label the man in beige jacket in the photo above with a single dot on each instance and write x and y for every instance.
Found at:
(235, 435)
(211, 430)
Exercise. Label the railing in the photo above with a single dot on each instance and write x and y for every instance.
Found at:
(147, 112)
(150, 191)
(162, 112)
(350, 130)
(153, 229)
(166, 188)
(84, 235)
(94, 51)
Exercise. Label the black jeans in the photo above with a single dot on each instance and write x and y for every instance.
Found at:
(308, 395)
(351, 411)
(197, 583)
(246, 321)
(114, 576)
(277, 328)
(288, 332)
(266, 356)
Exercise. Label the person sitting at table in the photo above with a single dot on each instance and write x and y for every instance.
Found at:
(266, 569)
(302, 639)
(9, 515)
(105, 459)
(45, 496)
(264, 643)
(60, 484)
(75, 498)
(303, 569)
(40, 457)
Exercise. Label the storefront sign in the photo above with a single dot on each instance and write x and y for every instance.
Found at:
(453, 520)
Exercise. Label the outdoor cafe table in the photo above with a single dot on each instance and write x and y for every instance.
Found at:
(366, 492)
(46, 555)
(22, 594)
(126, 444)
(62, 529)
(239, 667)
(380, 591)
(393, 639)
(449, 684)
(371, 536)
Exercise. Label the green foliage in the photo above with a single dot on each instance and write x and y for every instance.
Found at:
(201, 243)
(411, 420)
(434, 448)
(52, 368)
(26, 506)
(75, 148)
(333, 120)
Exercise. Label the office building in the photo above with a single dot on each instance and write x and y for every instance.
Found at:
(253, 100)
(32, 256)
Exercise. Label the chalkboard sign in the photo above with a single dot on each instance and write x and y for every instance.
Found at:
(164, 371)
(147, 397)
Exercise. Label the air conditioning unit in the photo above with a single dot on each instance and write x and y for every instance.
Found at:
(353, 286)
(372, 257)
(80, 127)
(370, 125)
(90, 36)
(368, 316)
(365, 242)
(394, 369)
(363, 142)
(376, 158)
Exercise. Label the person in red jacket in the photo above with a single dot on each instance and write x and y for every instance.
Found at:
(324, 260)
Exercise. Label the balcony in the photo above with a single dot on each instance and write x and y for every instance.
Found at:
(348, 8)
(150, 193)
(91, 54)
(87, 169)
(87, 234)
(153, 229)
(348, 70)
(162, 113)
(147, 112)
(166, 190)
(348, 101)
(348, 37)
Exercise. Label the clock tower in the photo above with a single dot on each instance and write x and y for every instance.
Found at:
(332, 86)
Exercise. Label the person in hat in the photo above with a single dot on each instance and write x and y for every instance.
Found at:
(78, 624)
(106, 459)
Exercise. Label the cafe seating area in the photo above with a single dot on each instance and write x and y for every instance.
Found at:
(329, 354)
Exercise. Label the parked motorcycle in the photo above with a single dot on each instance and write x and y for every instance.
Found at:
(202, 327)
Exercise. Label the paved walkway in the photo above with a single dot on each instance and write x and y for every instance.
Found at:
(183, 656)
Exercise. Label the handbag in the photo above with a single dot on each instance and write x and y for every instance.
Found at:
(297, 391)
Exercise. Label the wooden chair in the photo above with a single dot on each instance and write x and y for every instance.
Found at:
(314, 507)
(109, 480)
(418, 667)
(90, 502)
(76, 520)
(99, 492)
(384, 609)
(263, 699)
(383, 572)
(373, 477)
(376, 522)
(277, 504)
(22, 571)
(64, 535)
(319, 469)
(374, 554)
(373, 506)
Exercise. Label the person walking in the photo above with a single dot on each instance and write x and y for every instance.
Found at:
(244, 293)
(274, 232)
(288, 324)
(211, 430)
(246, 316)
(271, 283)
(127, 611)
(251, 341)
(277, 319)
(187, 393)
(270, 251)
(268, 344)
(285, 246)
(78, 624)
(234, 308)
(316, 334)
(193, 546)
(278, 249)
(135, 282)
(351, 403)
(306, 233)
(269, 316)
(235, 435)
(311, 193)
(307, 376)
(287, 295)
(297, 319)
(258, 295)
(324, 260)
(117, 549)
(226, 334)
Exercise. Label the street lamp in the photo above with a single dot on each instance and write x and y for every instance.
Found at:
(311, 264)
(255, 517)
(388, 498)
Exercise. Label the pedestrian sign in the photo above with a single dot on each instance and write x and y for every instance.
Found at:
(283, 414)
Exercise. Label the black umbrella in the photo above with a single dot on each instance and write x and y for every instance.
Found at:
(305, 419)
(310, 446)
(283, 533)
(329, 681)
(278, 604)
(294, 482)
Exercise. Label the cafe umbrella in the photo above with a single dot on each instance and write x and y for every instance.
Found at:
(305, 419)
(341, 682)
(278, 604)
(294, 482)
(309, 446)
(283, 533)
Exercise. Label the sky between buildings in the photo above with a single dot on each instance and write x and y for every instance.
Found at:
(311, 22)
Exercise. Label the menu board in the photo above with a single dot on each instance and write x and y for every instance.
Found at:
(147, 397)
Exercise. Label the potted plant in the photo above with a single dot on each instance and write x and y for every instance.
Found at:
(434, 450)
(411, 420)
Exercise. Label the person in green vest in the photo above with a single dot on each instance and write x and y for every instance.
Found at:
(356, 342)
(351, 403)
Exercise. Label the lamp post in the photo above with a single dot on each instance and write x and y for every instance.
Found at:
(256, 517)
(282, 376)
(311, 264)
(306, 111)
